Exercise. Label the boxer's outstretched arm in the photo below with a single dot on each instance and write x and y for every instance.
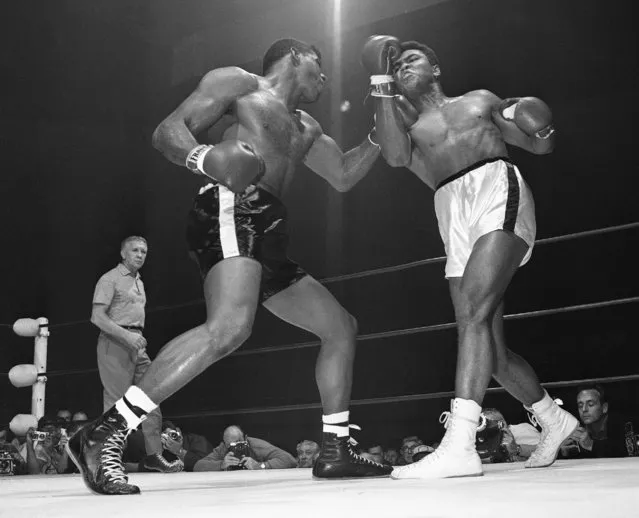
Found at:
(341, 170)
(391, 132)
(175, 136)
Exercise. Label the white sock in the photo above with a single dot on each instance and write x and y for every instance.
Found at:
(336, 423)
(136, 398)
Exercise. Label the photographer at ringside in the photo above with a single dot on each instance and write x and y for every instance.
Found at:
(239, 451)
(188, 447)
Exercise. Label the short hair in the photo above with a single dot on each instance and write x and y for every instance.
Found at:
(416, 45)
(494, 414)
(597, 388)
(281, 48)
(306, 442)
(132, 238)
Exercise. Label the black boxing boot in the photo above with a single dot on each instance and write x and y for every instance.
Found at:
(338, 460)
(96, 449)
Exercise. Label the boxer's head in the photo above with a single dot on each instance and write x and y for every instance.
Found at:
(133, 251)
(305, 59)
(592, 404)
(416, 68)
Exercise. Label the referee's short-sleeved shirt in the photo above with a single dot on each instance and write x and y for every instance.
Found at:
(123, 293)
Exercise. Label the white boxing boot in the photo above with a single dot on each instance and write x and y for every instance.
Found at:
(456, 455)
(556, 426)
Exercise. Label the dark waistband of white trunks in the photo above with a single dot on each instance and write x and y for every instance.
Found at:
(472, 167)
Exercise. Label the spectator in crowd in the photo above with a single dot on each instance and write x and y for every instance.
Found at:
(80, 415)
(406, 450)
(601, 433)
(46, 453)
(307, 452)
(11, 462)
(118, 311)
(391, 456)
(239, 451)
(188, 447)
(64, 414)
(495, 441)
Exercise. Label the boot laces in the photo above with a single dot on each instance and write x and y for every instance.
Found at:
(111, 457)
(352, 442)
(545, 430)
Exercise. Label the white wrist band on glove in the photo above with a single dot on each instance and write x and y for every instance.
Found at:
(379, 79)
(195, 159)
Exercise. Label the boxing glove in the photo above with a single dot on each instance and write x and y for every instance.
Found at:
(233, 163)
(530, 114)
(378, 55)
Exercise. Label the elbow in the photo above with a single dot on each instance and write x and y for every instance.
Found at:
(342, 186)
(156, 138)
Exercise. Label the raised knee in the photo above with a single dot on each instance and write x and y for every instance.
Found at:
(224, 335)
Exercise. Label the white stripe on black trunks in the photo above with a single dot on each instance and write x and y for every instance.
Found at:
(228, 237)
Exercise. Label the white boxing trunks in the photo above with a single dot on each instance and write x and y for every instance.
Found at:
(489, 195)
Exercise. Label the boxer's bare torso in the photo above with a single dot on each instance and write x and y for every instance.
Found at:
(257, 116)
(454, 133)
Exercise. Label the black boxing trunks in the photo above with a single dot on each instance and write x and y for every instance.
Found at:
(223, 224)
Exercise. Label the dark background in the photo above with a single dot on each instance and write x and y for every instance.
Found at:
(84, 85)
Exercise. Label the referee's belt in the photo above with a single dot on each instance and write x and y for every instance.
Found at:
(134, 328)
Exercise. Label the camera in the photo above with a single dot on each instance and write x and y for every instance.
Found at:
(240, 449)
(173, 435)
(40, 436)
(7, 464)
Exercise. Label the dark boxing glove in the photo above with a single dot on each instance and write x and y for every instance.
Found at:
(233, 163)
(530, 114)
(378, 55)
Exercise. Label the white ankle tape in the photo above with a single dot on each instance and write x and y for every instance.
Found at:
(340, 431)
(132, 420)
(138, 398)
(339, 417)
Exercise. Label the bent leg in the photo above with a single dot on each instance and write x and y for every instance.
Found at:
(310, 306)
(476, 297)
(510, 370)
(231, 291)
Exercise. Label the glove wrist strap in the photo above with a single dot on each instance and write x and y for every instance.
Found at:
(381, 79)
(195, 158)
(546, 132)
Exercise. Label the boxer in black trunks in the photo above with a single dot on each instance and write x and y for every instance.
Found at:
(237, 232)
(485, 211)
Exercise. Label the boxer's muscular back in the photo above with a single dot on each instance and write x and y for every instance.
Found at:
(451, 137)
(280, 137)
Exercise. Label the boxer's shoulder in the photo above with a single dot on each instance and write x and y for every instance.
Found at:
(230, 80)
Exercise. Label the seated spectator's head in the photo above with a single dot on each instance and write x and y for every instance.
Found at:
(377, 453)
(307, 452)
(391, 455)
(592, 404)
(493, 414)
(80, 416)
(406, 450)
(64, 414)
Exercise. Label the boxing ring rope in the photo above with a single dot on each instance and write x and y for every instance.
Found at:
(394, 333)
(396, 399)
